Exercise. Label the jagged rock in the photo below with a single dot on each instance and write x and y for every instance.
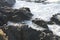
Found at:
(25, 13)
(40, 23)
(50, 22)
(47, 35)
(3, 19)
(16, 15)
(23, 32)
(7, 11)
(56, 18)
(7, 2)
(22, 14)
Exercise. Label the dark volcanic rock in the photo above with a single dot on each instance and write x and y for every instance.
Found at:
(25, 13)
(40, 23)
(7, 2)
(47, 35)
(3, 19)
(23, 32)
(56, 18)
(16, 15)
(22, 14)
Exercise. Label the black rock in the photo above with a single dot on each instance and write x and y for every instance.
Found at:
(3, 19)
(56, 18)
(22, 14)
(16, 15)
(46, 35)
(40, 23)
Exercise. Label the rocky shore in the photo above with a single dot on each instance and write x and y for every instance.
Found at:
(23, 31)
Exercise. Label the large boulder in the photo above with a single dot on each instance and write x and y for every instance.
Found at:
(16, 15)
(22, 32)
(21, 14)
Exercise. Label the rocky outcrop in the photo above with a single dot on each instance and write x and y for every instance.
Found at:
(3, 19)
(24, 32)
(16, 15)
(40, 23)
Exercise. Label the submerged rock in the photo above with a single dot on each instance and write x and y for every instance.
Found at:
(47, 35)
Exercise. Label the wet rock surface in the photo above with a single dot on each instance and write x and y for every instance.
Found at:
(16, 15)
(56, 19)
(40, 23)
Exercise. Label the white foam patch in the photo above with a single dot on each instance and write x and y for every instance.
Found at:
(58, 17)
(55, 28)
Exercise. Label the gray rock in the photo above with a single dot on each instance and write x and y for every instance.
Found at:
(9, 3)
